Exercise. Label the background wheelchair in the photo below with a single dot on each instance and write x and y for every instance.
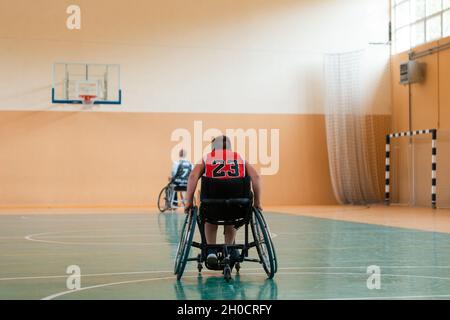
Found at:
(171, 196)
(226, 202)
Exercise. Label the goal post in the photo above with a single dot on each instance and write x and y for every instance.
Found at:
(391, 136)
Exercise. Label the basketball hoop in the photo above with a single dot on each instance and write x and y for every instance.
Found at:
(88, 99)
(87, 90)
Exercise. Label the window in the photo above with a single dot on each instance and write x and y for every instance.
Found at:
(416, 22)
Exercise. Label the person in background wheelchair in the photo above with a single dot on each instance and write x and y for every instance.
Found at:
(222, 163)
(171, 196)
(181, 170)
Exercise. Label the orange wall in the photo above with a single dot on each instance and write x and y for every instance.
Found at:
(123, 159)
(430, 108)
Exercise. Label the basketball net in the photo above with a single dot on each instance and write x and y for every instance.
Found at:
(88, 99)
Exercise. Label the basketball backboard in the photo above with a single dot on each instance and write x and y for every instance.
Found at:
(81, 83)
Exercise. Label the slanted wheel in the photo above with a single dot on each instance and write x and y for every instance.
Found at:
(271, 242)
(180, 244)
(264, 245)
(162, 200)
(185, 244)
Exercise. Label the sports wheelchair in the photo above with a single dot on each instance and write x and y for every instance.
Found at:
(226, 202)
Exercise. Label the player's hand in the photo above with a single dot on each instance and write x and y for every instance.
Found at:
(188, 206)
(258, 206)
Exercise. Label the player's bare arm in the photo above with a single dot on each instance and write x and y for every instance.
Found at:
(195, 175)
(256, 184)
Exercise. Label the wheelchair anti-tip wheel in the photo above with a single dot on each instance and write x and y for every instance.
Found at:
(264, 244)
(227, 273)
(184, 247)
(237, 267)
(163, 202)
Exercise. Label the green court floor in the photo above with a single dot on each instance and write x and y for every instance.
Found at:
(130, 256)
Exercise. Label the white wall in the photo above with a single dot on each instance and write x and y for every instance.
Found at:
(236, 56)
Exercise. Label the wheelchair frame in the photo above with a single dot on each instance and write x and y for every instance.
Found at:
(262, 241)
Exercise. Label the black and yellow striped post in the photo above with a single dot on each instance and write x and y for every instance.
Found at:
(387, 170)
(433, 167)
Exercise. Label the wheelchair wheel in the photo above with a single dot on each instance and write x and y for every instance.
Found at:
(185, 243)
(162, 200)
(180, 243)
(271, 242)
(264, 245)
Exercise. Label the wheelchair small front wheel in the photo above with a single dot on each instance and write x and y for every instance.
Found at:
(199, 263)
(264, 245)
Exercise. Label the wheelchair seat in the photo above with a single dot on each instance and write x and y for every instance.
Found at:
(226, 201)
(179, 183)
(180, 188)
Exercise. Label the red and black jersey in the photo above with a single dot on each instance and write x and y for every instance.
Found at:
(224, 164)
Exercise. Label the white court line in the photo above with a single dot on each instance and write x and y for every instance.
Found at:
(51, 235)
(104, 236)
(365, 275)
(103, 274)
(87, 275)
(101, 243)
(244, 269)
(88, 230)
(95, 230)
(59, 294)
(89, 218)
(355, 232)
(365, 267)
(32, 237)
(392, 298)
(11, 238)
